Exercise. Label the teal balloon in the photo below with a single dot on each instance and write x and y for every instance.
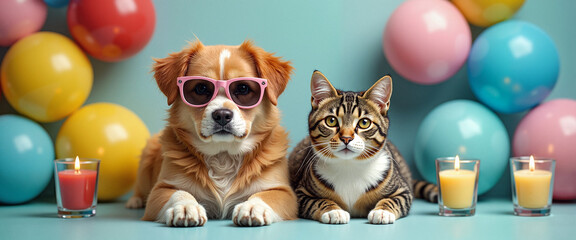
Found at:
(513, 66)
(57, 3)
(26, 159)
(468, 129)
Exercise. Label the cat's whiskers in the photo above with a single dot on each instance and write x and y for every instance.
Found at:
(311, 146)
(370, 152)
(322, 152)
(309, 161)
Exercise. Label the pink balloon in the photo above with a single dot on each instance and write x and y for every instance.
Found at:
(549, 131)
(426, 41)
(20, 18)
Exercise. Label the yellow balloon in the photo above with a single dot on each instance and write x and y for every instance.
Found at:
(108, 132)
(484, 13)
(46, 76)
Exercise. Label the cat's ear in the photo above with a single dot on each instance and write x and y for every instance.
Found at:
(321, 88)
(380, 93)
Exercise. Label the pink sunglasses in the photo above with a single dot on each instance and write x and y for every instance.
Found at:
(198, 91)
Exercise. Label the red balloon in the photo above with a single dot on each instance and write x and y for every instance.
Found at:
(111, 30)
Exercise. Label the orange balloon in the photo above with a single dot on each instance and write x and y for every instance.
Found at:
(108, 132)
(484, 13)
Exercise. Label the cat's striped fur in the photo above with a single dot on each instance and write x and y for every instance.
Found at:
(347, 166)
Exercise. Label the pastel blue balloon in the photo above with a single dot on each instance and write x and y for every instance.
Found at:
(26, 159)
(56, 3)
(468, 129)
(513, 66)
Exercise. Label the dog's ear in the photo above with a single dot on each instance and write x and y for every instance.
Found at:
(166, 70)
(270, 67)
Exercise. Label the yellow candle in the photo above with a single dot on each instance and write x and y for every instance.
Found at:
(532, 187)
(457, 187)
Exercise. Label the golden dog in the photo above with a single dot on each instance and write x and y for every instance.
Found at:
(222, 154)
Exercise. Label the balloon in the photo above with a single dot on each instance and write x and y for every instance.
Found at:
(484, 13)
(549, 131)
(426, 41)
(468, 129)
(45, 76)
(20, 18)
(111, 30)
(26, 159)
(108, 132)
(56, 3)
(513, 66)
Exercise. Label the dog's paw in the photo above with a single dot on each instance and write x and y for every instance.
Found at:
(186, 214)
(253, 213)
(135, 202)
(381, 217)
(337, 216)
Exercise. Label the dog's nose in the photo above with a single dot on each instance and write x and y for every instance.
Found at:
(222, 116)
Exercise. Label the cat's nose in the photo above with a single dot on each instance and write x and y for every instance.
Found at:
(346, 140)
(222, 116)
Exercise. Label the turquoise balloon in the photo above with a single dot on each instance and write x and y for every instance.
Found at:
(57, 3)
(468, 129)
(513, 66)
(26, 159)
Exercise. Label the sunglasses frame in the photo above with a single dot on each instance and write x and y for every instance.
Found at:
(180, 81)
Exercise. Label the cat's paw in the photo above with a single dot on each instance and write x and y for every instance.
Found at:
(135, 202)
(381, 217)
(186, 213)
(337, 216)
(253, 213)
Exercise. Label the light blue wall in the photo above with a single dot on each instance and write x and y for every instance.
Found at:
(340, 38)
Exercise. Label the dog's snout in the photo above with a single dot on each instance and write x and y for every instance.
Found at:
(222, 116)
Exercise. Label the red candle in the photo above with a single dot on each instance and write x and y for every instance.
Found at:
(77, 188)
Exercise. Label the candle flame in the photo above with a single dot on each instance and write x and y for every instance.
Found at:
(531, 164)
(77, 165)
(457, 163)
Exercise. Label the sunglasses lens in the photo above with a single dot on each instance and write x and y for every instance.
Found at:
(245, 93)
(198, 91)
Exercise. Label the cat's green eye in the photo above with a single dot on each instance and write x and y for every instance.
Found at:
(364, 123)
(331, 121)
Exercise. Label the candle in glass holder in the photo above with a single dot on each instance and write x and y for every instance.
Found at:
(76, 187)
(532, 185)
(457, 185)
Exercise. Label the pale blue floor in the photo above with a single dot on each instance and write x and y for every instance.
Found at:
(493, 220)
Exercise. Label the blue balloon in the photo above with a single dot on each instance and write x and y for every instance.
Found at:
(56, 3)
(26, 159)
(468, 129)
(513, 66)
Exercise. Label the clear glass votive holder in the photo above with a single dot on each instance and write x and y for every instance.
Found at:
(532, 185)
(76, 183)
(457, 185)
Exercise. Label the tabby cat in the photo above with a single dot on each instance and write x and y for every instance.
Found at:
(346, 166)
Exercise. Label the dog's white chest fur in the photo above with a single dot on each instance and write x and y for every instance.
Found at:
(222, 169)
(351, 178)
